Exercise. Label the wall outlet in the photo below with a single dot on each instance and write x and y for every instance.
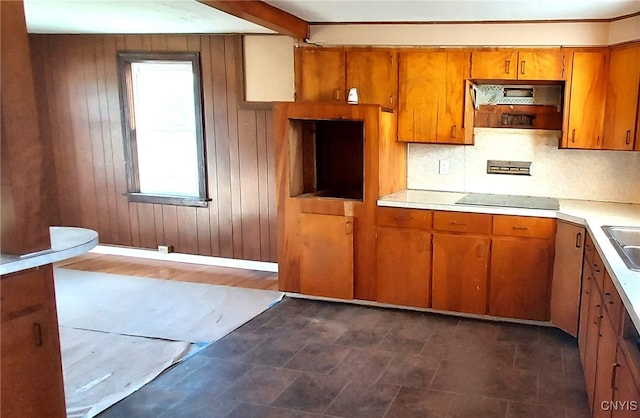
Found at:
(443, 167)
(165, 249)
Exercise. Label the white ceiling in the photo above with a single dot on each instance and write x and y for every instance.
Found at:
(189, 16)
(323, 11)
(131, 16)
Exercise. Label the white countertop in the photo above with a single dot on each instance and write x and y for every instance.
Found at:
(66, 242)
(592, 214)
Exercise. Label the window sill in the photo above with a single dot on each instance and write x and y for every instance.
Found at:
(168, 200)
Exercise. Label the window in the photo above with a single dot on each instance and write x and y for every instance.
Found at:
(162, 119)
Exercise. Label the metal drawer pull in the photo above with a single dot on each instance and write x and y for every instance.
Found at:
(458, 223)
(507, 66)
(522, 63)
(578, 239)
(628, 138)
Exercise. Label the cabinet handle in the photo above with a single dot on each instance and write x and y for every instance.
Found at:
(521, 228)
(402, 217)
(337, 94)
(578, 239)
(573, 136)
(507, 65)
(458, 223)
(37, 334)
(453, 131)
(614, 372)
(390, 100)
(522, 63)
(628, 138)
(349, 228)
(423, 245)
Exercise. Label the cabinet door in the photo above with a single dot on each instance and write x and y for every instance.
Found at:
(540, 65)
(403, 259)
(605, 364)
(431, 96)
(460, 273)
(501, 65)
(519, 281)
(31, 379)
(626, 393)
(588, 288)
(567, 274)
(622, 99)
(375, 74)
(326, 255)
(587, 98)
(591, 343)
(321, 75)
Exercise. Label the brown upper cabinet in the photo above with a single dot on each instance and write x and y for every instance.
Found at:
(587, 93)
(375, 74)
(517, 65)
(431, 96)
(321, 75)
(622, 99)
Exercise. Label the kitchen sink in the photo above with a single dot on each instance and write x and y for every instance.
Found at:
(626, 241)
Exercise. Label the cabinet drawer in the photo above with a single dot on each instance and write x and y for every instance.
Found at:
(462, 222)
(524, 226)
(612, 301)
(25, 292)
(406, 218)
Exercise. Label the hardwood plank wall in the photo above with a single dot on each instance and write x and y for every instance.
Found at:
(77, 86)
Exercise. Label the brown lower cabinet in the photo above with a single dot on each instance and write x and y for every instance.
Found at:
(32, 384)
(608, 349)
(326, 255)
(403, 258)
(460, 273)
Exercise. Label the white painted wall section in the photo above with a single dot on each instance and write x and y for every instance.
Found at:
(269, 68)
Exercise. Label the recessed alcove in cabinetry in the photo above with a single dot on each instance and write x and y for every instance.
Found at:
(327, 158)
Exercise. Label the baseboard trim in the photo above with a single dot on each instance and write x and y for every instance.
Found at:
(186, 258)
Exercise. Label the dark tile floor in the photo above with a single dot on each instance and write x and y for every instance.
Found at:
(306, 358)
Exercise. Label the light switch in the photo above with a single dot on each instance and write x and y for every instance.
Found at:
(443, 167)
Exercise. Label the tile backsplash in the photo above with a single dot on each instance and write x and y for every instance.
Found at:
(612, 176)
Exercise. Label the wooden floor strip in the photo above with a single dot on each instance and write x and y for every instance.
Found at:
(169, 270)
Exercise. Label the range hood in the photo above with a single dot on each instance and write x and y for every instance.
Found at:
(511, 105)
(501, 94)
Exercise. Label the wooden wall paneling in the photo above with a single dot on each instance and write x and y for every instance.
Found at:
(49, 191)
(249, 177)
(271, 181)
(177, 43)
(230, 46)
(210, 137)
(204, 230)
(81, 98)
(95, 137)
(187, 230)
(159, 223)
(102, 52)
(222, 163)
(147, 225)
(159, 42)
(263, 183)
(60, 115)
(135, 226)
(112, 45)
(170, 221)
(80, 137)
